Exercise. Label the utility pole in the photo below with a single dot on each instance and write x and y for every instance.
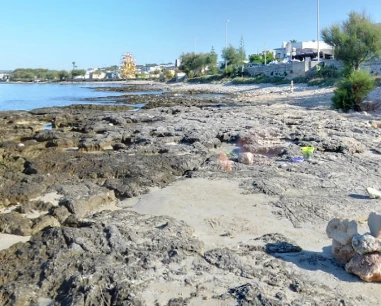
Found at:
(318, 29)
(226, 39)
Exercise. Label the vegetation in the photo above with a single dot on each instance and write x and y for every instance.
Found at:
(355, 40)
(352, 90)
(207, 79)
(168, 74)
(195, 65)
(29, 75)
(235, 59)
(261, 78)
(78, 72)
(260, 58)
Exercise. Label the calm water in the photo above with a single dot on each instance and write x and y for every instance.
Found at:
(31, 96)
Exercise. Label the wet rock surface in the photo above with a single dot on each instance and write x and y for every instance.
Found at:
(97, 155)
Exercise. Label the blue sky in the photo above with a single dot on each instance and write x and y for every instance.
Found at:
(95, 33)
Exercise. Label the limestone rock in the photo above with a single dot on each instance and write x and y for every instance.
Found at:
(342, 253)
(374, 223)
(341, 230)
(367, 267)
(14, 223)
(373, 193)
(43, 222)
(85, 198)
(247, 158)
(363, 244)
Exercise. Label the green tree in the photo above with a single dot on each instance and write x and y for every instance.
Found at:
(352, 90)
(193, 64)
(241, 51)
(260, 58)
(293, 41)
(63, 75)
(211, 61)
(51, 75)
(355, 40)
(77, 72)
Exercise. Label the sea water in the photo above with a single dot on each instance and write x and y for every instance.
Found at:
(35, 95)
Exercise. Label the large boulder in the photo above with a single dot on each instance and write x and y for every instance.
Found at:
(367, 267)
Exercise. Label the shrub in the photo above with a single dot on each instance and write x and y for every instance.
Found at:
(207, 79)
(328, 71)
(352, 90)
(229, 71)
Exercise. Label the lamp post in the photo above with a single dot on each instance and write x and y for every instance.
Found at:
(318, 26)
(226, 39)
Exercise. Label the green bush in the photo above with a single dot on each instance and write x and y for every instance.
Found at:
(206, 79)
(322, 82)
(328, 71)
(352, 90)
(230, 71)
(261, 78)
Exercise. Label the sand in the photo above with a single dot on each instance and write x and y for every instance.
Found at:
(222, 215)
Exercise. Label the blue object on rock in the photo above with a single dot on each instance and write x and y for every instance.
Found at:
(296, 159)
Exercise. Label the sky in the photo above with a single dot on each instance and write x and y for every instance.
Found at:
(95, 33)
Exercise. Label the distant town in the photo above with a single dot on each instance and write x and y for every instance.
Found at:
(288, 52)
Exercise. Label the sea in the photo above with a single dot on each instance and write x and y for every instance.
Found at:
(36, 95)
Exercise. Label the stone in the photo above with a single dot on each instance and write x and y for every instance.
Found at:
(342, 253)
(342, 230)
(374, 223)
(373, 193)
(363, 244)
(367, 267)
(14, 223)
(224, 162)
(247, 158)
(43, 222)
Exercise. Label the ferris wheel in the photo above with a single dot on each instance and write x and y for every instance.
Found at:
(127, 66)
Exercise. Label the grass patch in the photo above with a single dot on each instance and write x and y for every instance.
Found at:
(206, 79)
(322, 82)
(261, 79)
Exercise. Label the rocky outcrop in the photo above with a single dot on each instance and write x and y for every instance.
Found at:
(120, 257)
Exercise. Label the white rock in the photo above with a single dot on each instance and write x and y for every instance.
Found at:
(363, 244)
(374, 223)
(247, 158)
(341, 230)
(373, 193)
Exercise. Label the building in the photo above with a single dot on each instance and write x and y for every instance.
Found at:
(94, 74)
(303, 50)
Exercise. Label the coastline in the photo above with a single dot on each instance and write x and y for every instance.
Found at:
(184, 219)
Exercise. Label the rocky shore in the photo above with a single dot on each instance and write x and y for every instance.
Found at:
(191, 199)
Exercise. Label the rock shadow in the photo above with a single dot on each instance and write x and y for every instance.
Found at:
(359, 196)
(315, 261)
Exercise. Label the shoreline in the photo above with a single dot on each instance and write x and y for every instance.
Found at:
(193, 219)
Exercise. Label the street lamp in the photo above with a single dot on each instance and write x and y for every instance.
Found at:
(226, 38)
(318, 26)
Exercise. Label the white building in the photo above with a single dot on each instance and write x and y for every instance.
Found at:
(304, 49)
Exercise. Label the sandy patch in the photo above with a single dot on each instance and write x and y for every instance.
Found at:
(7, 240)
(222, 215)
